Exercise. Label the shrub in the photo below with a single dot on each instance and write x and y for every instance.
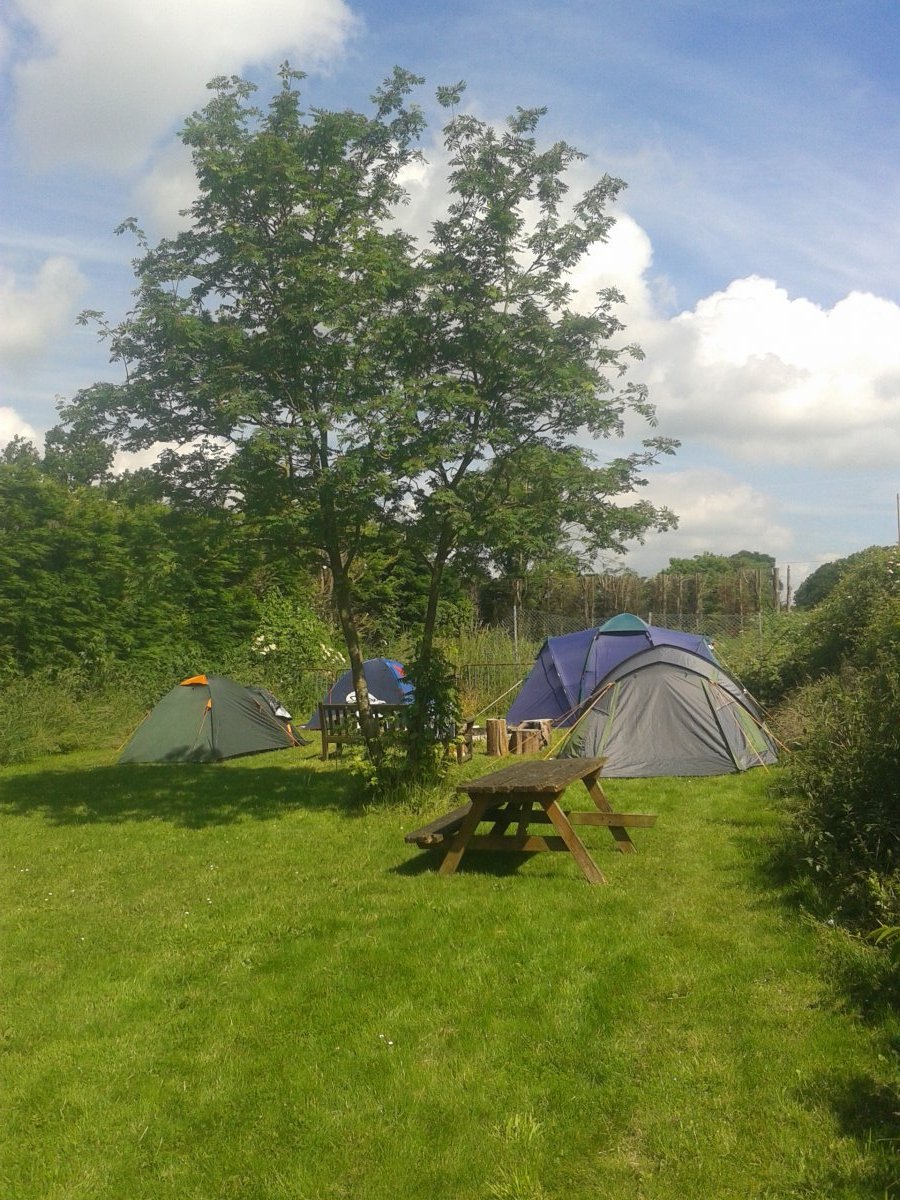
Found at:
(290, 640)
(764, 660)
(845, 774)
(846, 781)
(45, 714)
(842, 629)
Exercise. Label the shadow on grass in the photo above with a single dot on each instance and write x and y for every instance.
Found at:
(189, 795)
(480, 862)
(867, 1110)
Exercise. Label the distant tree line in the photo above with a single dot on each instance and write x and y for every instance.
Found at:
(110, 569)
(742, 583)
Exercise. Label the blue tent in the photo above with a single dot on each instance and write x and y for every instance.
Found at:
(569, 669)
(650, 701)
(385, 678)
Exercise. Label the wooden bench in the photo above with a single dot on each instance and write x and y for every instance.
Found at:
(442, 829)
(339, 725)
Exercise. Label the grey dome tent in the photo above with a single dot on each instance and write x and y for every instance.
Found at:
(651, 701)
(207, 718)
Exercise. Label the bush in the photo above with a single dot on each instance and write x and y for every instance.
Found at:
(846, 781)
(845, 721)
(866, 970)
(44, 714)
(765, 660)
(841, 629)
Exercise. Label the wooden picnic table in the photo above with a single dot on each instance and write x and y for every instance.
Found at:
(528, 794)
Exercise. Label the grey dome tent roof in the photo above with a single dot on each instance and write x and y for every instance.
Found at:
(207, 718)
(668, 711)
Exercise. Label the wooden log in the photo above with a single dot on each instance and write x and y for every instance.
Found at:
(524, 740)
(496, 737)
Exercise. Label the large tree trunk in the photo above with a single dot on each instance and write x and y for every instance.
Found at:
(425, 654)
(342, 594)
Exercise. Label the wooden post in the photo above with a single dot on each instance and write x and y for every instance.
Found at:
(495, 728)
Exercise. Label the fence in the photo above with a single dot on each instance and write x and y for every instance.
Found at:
(488, 688)
(529, 628)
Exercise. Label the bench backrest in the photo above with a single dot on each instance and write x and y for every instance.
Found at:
(342, 720)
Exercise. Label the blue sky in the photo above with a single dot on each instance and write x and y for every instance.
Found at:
(757, 242)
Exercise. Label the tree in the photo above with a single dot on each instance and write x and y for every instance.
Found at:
(819, 585)
(85, 580)
(511, 375)
(343, 387)
(264, 336)
(726, 583)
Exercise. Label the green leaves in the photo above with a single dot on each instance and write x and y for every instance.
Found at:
(379, 399)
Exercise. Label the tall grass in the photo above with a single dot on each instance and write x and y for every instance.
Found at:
(43, 714)
(489, 668)
(57, 712)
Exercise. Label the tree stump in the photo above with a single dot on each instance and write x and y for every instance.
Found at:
(524, 740)
(495, 728)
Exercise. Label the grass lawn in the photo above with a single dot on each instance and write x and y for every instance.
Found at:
(229, 982)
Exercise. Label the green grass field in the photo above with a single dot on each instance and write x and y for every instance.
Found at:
(230, 981)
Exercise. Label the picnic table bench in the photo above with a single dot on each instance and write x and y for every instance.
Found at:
(528, 794)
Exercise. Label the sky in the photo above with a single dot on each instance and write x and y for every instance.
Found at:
(756, 243)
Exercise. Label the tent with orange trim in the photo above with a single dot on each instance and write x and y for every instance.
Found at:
(207, 718)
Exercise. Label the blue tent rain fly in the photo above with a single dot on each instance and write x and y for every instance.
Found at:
(386, 680)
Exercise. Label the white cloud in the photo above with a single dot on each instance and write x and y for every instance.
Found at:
(137, 460)
(622, 262)
(774, 379)
(165, 192)
(749, 370)
(109, 77)
(34, 313)
(717, 512)
(12, 425)
(425, 182)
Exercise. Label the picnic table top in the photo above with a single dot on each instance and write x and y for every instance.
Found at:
(549, 775)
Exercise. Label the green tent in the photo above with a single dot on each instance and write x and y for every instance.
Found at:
(207, 718)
